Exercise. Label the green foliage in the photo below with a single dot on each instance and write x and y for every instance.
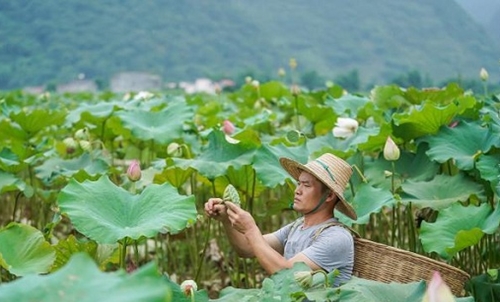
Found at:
(107, 213)
(439, 198)
(81, 280)
(24, 251)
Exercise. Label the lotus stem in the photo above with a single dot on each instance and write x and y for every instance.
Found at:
(327, 284)
(123, 253)
(207, 237)
(136, 253)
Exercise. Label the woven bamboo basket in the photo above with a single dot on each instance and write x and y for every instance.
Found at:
(380, 262)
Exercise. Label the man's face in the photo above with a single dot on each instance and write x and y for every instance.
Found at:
(307, 193)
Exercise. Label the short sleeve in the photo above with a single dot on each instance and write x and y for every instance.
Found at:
(333, 249)
(282, 233)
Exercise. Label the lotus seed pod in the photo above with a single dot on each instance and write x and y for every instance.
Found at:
(82, 134)
(85, 145)
(293, 136)
(70, 144)
(303, 278)
(230, 194)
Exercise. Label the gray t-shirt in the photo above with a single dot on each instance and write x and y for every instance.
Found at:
(332, 249)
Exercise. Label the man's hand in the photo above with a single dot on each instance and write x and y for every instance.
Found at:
(240, 219)
(215, 208)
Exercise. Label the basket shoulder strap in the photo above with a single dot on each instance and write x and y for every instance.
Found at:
(335, 223)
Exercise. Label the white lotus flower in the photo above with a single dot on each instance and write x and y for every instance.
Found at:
(189, 287)
(483, 74)
(391, 150)
(345, 127)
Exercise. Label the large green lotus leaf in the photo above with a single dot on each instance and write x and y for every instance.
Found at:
(102, 254)
(363, 290)
(388, 97)
(273, 89)
(174, 175)
(458, 227)
(369, 200)
(485, 287)
(55, 167)
(80, 280)
(8, 159)
(267, 166)
(314, 111)
(347, 104)
(416, 167)
(424, 120)
(161, 126)
(218, 157)
(461, 144)
(451, 93)
(107, 213)
(440, 192)
(24, 251)
(489, 167)
(100, 110)
(38, 119)
(9, 182)
(11, 131)
(363, 139)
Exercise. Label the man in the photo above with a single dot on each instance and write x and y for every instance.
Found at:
(319, 190)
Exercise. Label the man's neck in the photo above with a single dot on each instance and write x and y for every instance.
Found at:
(316, 218)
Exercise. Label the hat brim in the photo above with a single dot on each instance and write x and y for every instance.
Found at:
(294, 168)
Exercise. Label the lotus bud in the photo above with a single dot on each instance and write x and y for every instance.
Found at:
(134, 171)
(85, 145)
(248, 80)
(174, 149)
(483, 74)
(188, 287)
(345, 127)
(303, 278)
(255, 84)
(295, 89)
(70, 144)
(391, 150)
(228, 127)
(281, 72)
(438, 290)
(82, 134)
(293, 63)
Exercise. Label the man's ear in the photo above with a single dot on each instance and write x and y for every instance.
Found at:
(331, 196)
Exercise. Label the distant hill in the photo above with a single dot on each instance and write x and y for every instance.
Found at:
(494, 24)
(484, 12)
(55, 41)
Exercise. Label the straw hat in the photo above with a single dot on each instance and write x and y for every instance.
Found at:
(331, 170)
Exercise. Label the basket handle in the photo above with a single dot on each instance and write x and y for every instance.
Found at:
(336, 223)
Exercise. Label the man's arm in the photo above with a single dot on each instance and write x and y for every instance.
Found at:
(266, 248)
(215, 209)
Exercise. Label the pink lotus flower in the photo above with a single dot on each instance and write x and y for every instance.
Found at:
(438, 290)
(228, 127)
(134, 171)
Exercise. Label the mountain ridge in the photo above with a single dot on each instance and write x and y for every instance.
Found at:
(53, 41)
